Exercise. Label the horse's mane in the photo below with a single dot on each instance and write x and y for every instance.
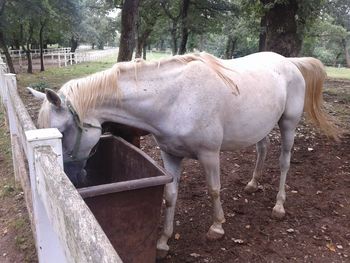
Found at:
(88, 92)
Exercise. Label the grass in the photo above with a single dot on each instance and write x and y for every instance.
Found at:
(55, 77)
(338, 73)
(13, 217)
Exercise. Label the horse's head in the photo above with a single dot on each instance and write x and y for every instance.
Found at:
(79, 136)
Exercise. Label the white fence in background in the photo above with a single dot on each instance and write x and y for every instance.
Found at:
(64, 228)
(62, 57)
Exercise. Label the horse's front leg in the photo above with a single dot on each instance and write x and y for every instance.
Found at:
(261, 150)
(173, 165)
(211, 165)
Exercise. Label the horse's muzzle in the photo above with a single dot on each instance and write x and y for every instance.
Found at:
(76, 173)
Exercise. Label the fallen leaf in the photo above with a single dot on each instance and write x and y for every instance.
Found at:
(331, 247)
(177, 236)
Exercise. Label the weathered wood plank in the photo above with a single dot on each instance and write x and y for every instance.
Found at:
(3, 70)
(81, 236)
(21, 171)
(21, 111)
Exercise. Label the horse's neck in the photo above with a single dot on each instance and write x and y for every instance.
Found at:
(144, 98)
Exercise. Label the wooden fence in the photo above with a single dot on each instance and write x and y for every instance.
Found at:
(64, 228)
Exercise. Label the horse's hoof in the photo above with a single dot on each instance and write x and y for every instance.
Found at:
(215, 233)
(162, 250)
(161, 254)
(278, 212)
(251, 188)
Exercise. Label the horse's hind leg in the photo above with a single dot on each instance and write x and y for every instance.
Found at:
(173, 165)
(211, 164)
(287, 128)
(261, 149)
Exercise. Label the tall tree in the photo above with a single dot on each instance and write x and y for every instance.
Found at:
(128, 30)
(172, 11)
(185, 4)
(281, 26)
(284, 22)
(3, 41)
(149, 13)
(340, 11)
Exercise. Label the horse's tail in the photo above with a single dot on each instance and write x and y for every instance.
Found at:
(314, 75)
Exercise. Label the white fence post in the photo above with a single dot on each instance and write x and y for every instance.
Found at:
(10, 83)
(3, 70)
(48, 244)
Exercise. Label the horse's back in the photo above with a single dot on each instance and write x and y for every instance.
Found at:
(212, 111)
(263, 80)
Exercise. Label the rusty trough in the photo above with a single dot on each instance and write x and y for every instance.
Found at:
(125, 196)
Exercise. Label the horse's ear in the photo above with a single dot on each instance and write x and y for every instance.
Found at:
(53, 97)
(36, 94)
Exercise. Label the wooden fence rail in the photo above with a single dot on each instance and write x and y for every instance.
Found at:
(64, 228)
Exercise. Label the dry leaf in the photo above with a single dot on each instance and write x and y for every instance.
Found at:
(177, 236)
(331, 247)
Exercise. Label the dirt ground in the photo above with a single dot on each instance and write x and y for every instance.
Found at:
(317, 223)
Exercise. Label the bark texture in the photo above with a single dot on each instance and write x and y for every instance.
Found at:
(128, 31)
(184, 26)
(282, 33)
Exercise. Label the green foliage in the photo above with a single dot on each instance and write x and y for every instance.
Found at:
(212, 25)
(40, 86)
(324, 40)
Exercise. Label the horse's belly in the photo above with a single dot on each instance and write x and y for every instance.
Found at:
(247, 127)
(245, 137)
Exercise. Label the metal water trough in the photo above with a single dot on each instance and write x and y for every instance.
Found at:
(126, 197)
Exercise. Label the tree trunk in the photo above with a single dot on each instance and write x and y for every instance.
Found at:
(346, 53)
(141, 42)
(262, 34)
(73, 44)
(184, 26)
(230, 47)
(6, 52)
(27, 49)
(3, 41)
(174, 38)
(29, 59)
(336, 59)
(139, 48)
(201, 42)
(41, 43)
(282, 33)
(144, 51)
(128, 31)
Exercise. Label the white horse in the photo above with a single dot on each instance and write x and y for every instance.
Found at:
(195, 106)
